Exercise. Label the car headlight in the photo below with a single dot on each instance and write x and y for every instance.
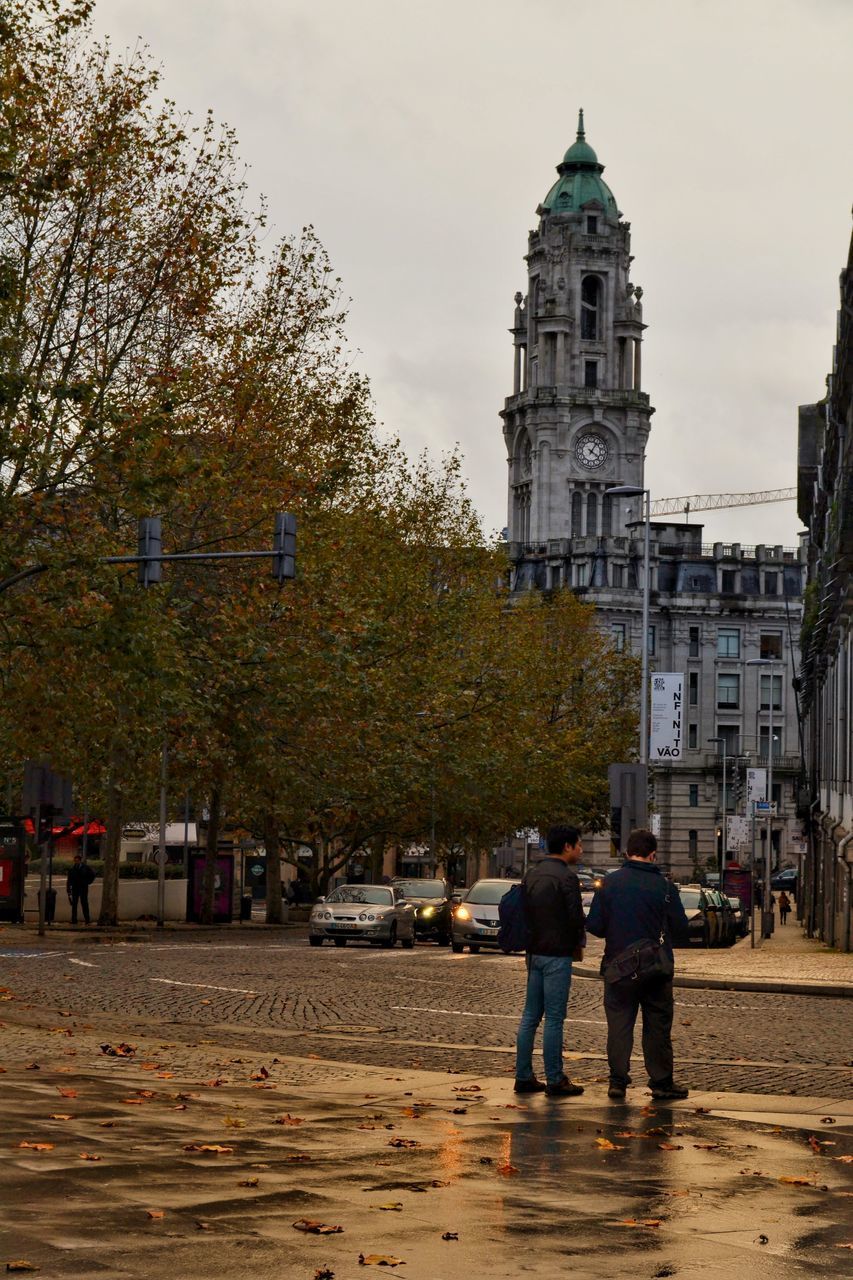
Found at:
(462, 913)
(328, 916)
(427, 911)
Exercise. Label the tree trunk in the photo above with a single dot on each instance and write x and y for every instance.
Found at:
(275, 914)
(209, 882)
(112, 841)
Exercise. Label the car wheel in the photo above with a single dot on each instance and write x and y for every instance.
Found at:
(474, 948)
(408, 943)
(392, 937)
(443, 939)
(457, 947)
(340, 942)
(316, 942)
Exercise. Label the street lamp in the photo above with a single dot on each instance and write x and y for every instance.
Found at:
(722, 742)
(767, 913)
(634, 491)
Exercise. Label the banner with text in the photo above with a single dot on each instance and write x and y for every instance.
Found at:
(756, 787)
(667, 694)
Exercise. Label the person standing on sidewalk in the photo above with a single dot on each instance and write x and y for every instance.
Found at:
(80, 876)
(784, 906)
(554, 916)
(635, 903)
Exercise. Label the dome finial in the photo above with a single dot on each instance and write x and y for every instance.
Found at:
(581, 135)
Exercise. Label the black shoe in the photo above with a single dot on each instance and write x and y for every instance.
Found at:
(564, 1089)
(530, 1086)
(666, 1091)
(616, 1091)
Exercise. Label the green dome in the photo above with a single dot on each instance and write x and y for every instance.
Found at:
(580, 180)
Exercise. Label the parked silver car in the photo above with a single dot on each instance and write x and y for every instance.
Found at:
(476, 920)
(365, 913)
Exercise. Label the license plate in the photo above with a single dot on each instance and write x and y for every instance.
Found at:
(491, 933)
(337, 924)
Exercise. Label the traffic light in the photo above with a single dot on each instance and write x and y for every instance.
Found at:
(284, 547)
(149, 543)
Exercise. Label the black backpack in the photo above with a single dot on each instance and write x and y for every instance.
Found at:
(513, 934)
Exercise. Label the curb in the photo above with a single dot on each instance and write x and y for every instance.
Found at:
(837, 991)
(93, 935)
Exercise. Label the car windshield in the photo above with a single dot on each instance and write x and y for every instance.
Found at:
(691, 898)
(420, 888)
(374, 895)
(489, 892)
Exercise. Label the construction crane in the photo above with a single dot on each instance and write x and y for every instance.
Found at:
(719, 501)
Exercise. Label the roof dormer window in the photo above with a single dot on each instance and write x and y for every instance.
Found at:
(592, 226)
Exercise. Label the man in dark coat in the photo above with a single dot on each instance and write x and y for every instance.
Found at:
(633, 903)
(554, 915)
(80, 876)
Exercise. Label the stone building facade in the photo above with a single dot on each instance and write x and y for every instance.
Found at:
(825, 502)
(576, 425)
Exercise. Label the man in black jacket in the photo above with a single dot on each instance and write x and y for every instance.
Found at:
(633, 903)
(80, 876)
(554, 915)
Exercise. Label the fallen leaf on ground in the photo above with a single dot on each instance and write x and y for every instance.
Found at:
(60, 1115)
(211, 1148)
(639, 1222)
(469, 1088)
(670, 1146)
(18, 1264)
(145, 1093)
(844, 1246)
(234, 1122)
(202, 1226)
(797, 1182)
(394, 1206)
(156, 1213)
(316, 1228)
(288, 1119)
(403, 1142)
(507, 1170)
(107, 1124)
(260, 1074)
(214, 1084)
(450, 1235)
(707, 1146)
(88, 1155)
(379, 1260)
(67, 1093)
(606, 1145)
(248, 1182)
(131, 1102)
(165, 1075)
(37, 1146)
(119, 1051)
(628, 1133)
(844, 1159)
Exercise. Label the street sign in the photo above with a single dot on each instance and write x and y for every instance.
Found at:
(765, 809)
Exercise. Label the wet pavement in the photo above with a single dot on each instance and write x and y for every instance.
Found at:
(452, 1175)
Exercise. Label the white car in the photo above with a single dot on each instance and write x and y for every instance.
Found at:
(365, 913)
(476, 920)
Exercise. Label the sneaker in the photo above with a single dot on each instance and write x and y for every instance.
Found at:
(564, 1089)
(530, 1086)
(669, 1091)
(616, 1091)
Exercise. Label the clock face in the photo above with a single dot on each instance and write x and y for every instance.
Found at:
(591, 451)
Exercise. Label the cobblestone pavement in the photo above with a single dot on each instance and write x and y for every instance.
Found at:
(427, 1008)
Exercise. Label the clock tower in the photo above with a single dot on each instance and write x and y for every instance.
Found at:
(577, 421)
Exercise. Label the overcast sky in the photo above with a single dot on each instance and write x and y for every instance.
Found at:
(419, 136)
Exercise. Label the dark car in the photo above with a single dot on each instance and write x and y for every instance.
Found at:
(741, 916)
(786, 880)
(431, 900)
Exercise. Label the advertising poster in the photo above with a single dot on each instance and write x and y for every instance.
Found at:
(665, 741)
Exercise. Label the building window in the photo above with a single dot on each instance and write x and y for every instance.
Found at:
(693, 845)
(651, 640)
(771, 584)
(728, 643)
(592, 515)
(765, 692)
(617, 574)
(693, 688)
(581, 574)
(764, 738)
(771, 644)
(693, 800)
(590, 307)
(776, 797)
(728, 690)
(730, 799)
(617, 630)
(577, 514)
(728, 581)
(590, 374)
(693, 736)
(693, 643)
(730, 734)
(592, 226)
(606, 516)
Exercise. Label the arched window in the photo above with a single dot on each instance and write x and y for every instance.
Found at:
(590, 307)
(577, 514)
(591, 515)
(606, 516)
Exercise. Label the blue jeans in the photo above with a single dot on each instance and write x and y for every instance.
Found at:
(548, 981)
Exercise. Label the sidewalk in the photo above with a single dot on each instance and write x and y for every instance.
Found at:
(190, 1161)
(787, 962)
